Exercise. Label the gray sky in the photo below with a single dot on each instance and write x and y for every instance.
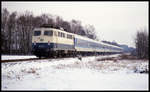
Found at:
(117, 21)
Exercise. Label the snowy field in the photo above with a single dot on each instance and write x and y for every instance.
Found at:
(74, 74)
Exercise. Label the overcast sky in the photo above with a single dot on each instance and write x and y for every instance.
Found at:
(113, 21)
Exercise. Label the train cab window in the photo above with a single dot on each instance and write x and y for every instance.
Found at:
(63, 35)
(48, 33)
(37, 33)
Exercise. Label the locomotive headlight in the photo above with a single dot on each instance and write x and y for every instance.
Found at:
(34, 42)
(48, 43)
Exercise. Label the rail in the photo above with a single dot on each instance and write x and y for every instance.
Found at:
(16, 60)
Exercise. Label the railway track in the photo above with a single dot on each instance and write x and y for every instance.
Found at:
(18, 60)
(30, 59)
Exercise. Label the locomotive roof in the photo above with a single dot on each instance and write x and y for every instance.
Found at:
(78, 36)
(55, 29)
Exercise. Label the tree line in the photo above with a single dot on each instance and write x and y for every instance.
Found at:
(142, 44)
(17, 29)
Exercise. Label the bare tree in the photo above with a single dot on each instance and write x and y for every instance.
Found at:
(59, 21)
(90, 31)
(25, 26)
(77, 28)
(38, 21)
(4, 30)
(142, 43)
(11, 30)
(66, 26)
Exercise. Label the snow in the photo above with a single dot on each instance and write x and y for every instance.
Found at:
(75, 74)
(12, 57)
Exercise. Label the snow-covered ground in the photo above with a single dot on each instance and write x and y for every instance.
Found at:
(75, 74)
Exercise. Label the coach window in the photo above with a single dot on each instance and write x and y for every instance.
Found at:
(64, 35)
(37, 33)
(55, 33)
(69, 36)
(48, 33)
(59, 34)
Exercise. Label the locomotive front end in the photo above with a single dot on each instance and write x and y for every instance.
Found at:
(42, 41)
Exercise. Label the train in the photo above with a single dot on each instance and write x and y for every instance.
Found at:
(56, 42)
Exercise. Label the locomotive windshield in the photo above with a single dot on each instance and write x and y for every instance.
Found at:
(37, 33)
(48, 33)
